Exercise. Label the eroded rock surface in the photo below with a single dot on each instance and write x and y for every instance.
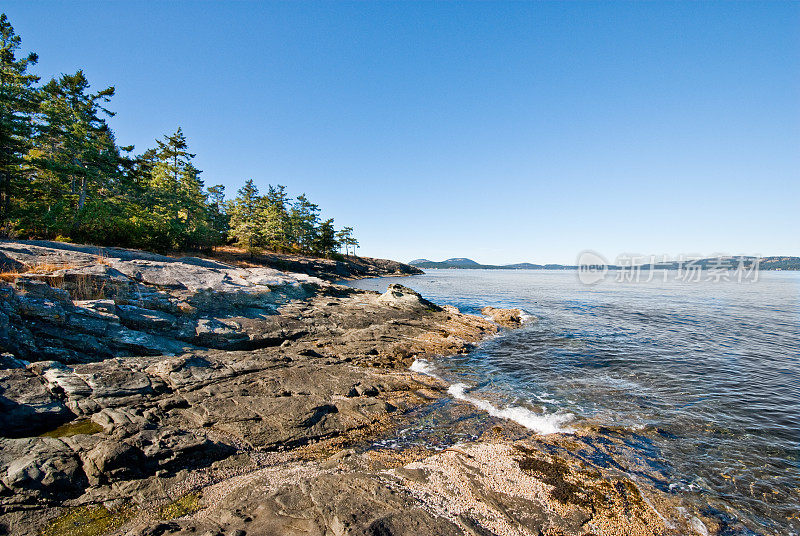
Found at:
(145, 395)
(508, 318)
(79, 304)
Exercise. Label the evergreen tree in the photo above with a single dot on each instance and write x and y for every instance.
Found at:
(75, 156)
(218, 219)
(178, 193)
(245, 217)
(304, 220)
(18, 102)
(62, 173)
(325, 240)
(345, 238)
(277, 229)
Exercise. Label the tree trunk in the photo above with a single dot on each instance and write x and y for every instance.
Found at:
(82, 195)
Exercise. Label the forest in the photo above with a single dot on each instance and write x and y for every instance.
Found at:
(63, 176)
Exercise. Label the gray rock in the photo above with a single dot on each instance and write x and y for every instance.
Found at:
(141, 343)
(89, 321)
(41, 290)
(401, 297)
(44, 466)
(27, 407)
(142, 319)
(8, 361)
(41, 309)
(111, 461)
(214, 333)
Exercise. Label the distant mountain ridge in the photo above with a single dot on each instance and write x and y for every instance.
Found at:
(463, 263)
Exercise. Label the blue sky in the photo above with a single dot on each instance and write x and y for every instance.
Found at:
(502, 132)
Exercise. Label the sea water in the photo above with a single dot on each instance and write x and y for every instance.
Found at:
(701, 378)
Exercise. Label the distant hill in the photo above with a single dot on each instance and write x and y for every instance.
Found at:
(463, 263)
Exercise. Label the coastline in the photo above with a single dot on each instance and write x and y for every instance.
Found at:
(273, 434)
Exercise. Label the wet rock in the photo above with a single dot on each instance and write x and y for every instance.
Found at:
(508, 318)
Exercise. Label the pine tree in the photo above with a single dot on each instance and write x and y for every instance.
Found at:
(345, 238)
(75, 156)
(325, 242)
(277, 229)
(304, 220)
(179, 196)
(245, 217)
(218, 219)
(18, 102)
(63, 173)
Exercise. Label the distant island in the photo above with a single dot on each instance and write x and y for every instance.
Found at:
(462, 263)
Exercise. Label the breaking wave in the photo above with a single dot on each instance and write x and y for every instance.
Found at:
(549, 423)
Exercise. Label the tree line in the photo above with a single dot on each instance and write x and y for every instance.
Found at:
(63, 176)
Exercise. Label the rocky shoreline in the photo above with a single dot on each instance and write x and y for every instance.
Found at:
(145, 395)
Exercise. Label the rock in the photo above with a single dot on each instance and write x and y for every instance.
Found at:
(146, 421)
(139, 318)
(42, 291)
(110, 461)
(401, 297)
(41, 309)
(41, 466)
(8, 361)
(27, 407)
(508, 318)
(213, 333)
(9, 264)
(134, 342)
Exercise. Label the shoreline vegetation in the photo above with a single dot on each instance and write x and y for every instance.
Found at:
(63, 176)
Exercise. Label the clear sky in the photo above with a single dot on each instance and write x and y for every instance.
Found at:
(501, 132)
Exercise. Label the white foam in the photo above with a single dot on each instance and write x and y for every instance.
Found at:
(549, 423)
(423, 367)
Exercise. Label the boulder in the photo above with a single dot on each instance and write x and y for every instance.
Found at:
(400, 297)
(111, 461)
(508, 318)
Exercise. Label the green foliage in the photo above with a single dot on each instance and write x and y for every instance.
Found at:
(345, 238)
(271, 221)
(63, 175)
(19, 100)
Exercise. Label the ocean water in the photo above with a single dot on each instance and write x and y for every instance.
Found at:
(700, 380)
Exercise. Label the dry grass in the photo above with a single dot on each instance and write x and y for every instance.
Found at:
(9, 277)
(36, 269)
(81, 287)
(102, 259)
